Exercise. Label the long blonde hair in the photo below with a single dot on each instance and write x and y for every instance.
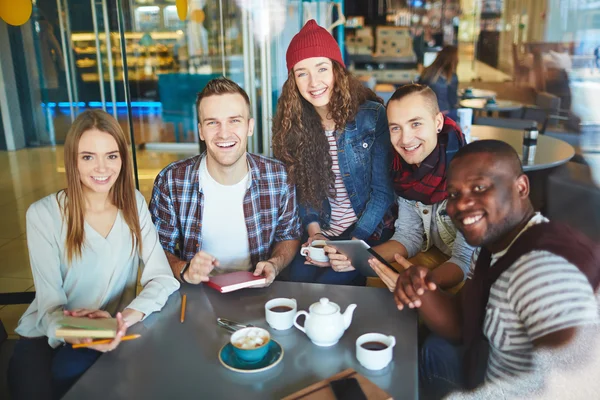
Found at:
(122, 194)
(445, 63)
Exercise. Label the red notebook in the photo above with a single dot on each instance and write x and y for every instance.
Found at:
(234, 281)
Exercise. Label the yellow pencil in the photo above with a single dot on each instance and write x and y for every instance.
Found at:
(183, 308)
(105, 341)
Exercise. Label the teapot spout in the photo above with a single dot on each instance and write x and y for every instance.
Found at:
(348, 315)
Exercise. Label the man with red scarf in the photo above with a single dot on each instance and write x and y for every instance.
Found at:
(424, 141)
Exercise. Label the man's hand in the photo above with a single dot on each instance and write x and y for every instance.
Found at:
(338, 261)
(387, 275)
(268, 270)
(85, 313)
(200, 267)
(412, 284)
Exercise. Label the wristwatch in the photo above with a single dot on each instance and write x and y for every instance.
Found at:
(185, 267)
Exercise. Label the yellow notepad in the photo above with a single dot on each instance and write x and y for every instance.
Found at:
(86, 327)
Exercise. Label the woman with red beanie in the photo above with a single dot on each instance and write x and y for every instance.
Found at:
(332, 134)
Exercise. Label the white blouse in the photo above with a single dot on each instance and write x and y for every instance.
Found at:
(104, 277)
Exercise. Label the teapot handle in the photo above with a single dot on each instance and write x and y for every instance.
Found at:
(299, 313)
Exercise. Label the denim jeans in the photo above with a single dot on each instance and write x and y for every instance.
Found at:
(441, 368)
(37, 371)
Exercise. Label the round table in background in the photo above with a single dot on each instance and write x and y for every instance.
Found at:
(476, 94)
(500, 105)
(550, 152)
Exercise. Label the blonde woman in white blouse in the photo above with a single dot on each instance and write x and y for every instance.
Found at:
(85, 246)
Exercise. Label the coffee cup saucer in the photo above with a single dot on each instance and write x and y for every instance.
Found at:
(231, 361)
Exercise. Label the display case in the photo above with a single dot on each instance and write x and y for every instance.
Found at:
(147, 55)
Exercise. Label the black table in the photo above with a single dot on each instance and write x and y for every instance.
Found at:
(179, 361)
(550, 152)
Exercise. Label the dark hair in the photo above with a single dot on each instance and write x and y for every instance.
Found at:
(299, 140)
(493, 147)
(219, 86)
(444, 64)
(413, 88)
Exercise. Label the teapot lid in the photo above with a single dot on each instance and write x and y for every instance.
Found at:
(324, 307)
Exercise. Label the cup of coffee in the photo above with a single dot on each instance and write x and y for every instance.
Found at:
(374, 351)
(316, 251)
(251, 344)
(280, 313)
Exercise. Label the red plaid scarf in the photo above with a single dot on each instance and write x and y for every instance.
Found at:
(427, 183)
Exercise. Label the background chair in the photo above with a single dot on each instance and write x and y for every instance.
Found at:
(510, 123)
(573, 198)
(545, 112)
(7, 345)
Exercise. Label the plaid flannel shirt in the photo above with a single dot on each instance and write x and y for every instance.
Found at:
(270, 207)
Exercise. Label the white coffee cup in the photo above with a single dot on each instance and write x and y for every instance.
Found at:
(281, 319)
(316, 253)
(374, 351)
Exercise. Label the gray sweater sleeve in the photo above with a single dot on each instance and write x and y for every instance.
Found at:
(409, 228)
(462, 253)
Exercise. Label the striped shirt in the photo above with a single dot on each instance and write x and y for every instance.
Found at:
(270, 209)
(342, 213)
(539, 294)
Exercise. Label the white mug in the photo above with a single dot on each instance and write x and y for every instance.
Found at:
(281, 320)
(375, 359)
(317, 254)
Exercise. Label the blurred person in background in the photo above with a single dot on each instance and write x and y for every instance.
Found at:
(441, 77)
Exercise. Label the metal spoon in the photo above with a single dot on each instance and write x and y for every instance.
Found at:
(230, 325)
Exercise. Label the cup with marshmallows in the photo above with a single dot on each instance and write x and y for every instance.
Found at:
(251, 344)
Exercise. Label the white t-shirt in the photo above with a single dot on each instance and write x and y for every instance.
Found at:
(224, 231)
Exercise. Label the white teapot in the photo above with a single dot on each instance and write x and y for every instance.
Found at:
(324, 324)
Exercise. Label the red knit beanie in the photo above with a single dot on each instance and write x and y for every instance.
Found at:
(312, 41)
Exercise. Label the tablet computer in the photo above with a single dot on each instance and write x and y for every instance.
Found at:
(359, 253)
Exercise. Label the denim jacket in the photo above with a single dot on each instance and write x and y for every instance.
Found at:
(364, 160)
(420, 226)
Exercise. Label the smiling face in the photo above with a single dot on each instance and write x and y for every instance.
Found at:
(414, 127)
(225, 125)
(98, 161)
(487, 199)
(314, 79)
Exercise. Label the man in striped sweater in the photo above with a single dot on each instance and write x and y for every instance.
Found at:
(530, 289)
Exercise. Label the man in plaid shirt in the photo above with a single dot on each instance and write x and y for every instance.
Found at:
(225, 210)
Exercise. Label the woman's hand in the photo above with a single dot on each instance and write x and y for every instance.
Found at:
(317, 236)
(339, 262)
(86, 313)
(131, 316)
(314, 233)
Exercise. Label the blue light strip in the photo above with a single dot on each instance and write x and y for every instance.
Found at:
(97, 104)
